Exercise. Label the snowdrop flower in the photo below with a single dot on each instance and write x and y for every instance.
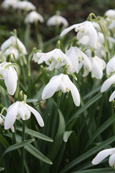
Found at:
(103, 154)
(54, 59)
(24, 5)
(107, 84)
(86, 33)
(110, 66)
(72, 54)
(57, 20)
(79, 60)
(110, 13)
(110, 69)
(21, 110)
(98, 65)
(96, 26)
(36, 56)
(9, 3)
(2, 119)
(33, 17)
(13, 45)
(112, 25)
(9, 74)
(63, 83)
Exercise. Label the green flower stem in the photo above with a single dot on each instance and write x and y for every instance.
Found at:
(57, 29)
(29, 73)
(27, 35)
(90, 17)
(38, 36)
(22, 153)
(112, 114)
(56, 114)
(14, 135)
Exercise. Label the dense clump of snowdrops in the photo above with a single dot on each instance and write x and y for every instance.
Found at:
(55, 115)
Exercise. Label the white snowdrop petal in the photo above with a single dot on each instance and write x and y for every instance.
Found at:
(111, 66)
(21, 47)
(112, 160)
(106, 85)
(102, 155)
(75, 94)
(11, 80)
(23, 111)
(57, 20)
(24, 5)
(37, 115)
(65, 31)
(72, 54)
(112, 97)
(51, 87)
(93, 37)
(13, 51)
(7, 43)
(84, 40)
(11, 116)
(33, 17)
(97, 71)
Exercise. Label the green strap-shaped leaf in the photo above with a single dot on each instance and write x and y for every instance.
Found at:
(31, 100)
(3, 141)
(36, 134)
(82, 109)
(89, 153)
(92, 92)
(17, 146)
(100, 170)
(36, 153)
(102, 128)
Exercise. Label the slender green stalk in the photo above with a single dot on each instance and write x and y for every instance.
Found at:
(112, 114)
(56, 114)
(14, 135)
(22, 154)
(27, 35)
(38, 36)
(104, 33)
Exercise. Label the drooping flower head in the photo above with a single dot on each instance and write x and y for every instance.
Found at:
(13, 45)
(9, 3)
(103, 154)
(86, 33)
(79, 60)
(54, 59)
(63, 83)
(57, 20)
(21, 110)
(33, 17)
(9, 74)
(110, 13)
(24, 5)
(98, 65)
(110, 69)
(2, 120)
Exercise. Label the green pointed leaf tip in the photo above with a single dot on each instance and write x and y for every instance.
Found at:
(36, 134)
(36, 153)
(1, 169)
(67, 135)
